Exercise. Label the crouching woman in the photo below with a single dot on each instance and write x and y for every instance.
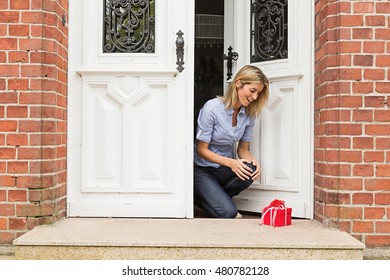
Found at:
(224, 122)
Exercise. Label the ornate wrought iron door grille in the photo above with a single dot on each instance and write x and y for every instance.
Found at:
(129, 26)
(268, 30)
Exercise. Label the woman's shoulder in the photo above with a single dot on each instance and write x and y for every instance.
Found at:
(214, 104)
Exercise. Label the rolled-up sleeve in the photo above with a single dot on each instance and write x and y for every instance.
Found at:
(248, 133)
(205, 124)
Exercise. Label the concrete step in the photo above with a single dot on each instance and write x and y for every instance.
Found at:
(183, 239)
(7, 252)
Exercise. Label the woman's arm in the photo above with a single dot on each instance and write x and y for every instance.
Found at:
(238, 166)
(243, 152)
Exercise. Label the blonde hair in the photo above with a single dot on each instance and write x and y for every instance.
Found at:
(248, 74)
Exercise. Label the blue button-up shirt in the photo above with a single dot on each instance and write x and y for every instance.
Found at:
(215, 127)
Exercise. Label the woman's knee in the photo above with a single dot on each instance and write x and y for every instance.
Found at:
(251, 166)
(227, 212)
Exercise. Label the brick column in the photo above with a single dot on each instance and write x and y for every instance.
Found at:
(33, 112)
(352, 119)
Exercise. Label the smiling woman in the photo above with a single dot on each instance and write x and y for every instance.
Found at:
(256, 81)
(223, 122)
(247, 94)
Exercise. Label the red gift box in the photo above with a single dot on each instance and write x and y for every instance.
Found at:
(276, 214)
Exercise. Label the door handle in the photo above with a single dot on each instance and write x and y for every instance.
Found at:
(230, 57)
(180, 51)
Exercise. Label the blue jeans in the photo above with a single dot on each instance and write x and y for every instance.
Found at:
(215, 187)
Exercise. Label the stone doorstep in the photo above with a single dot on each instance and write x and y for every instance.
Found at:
(376, 253)
(127, 238)
(7, 252)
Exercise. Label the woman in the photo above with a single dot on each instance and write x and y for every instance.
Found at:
(222, 122)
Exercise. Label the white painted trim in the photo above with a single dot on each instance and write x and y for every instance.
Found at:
(96, 71)
(135, 210)
(75, 60)
(312, 88)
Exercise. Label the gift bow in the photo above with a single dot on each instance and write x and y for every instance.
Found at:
(276, 204)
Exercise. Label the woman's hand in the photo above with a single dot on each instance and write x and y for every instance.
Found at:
(238, 166)
(242, 171)
(256, 173)
(244, 153)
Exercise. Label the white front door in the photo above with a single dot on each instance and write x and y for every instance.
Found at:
(283, 139)
(130, 110)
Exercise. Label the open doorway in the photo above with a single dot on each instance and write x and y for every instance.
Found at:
(209, 63)
(282, 139)
(209, 28)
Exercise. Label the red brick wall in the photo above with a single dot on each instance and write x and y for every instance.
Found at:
(33, 88)
(352, 118)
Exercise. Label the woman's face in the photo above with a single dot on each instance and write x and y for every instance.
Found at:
(247, 93)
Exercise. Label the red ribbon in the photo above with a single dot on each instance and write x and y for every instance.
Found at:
(275, 205)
